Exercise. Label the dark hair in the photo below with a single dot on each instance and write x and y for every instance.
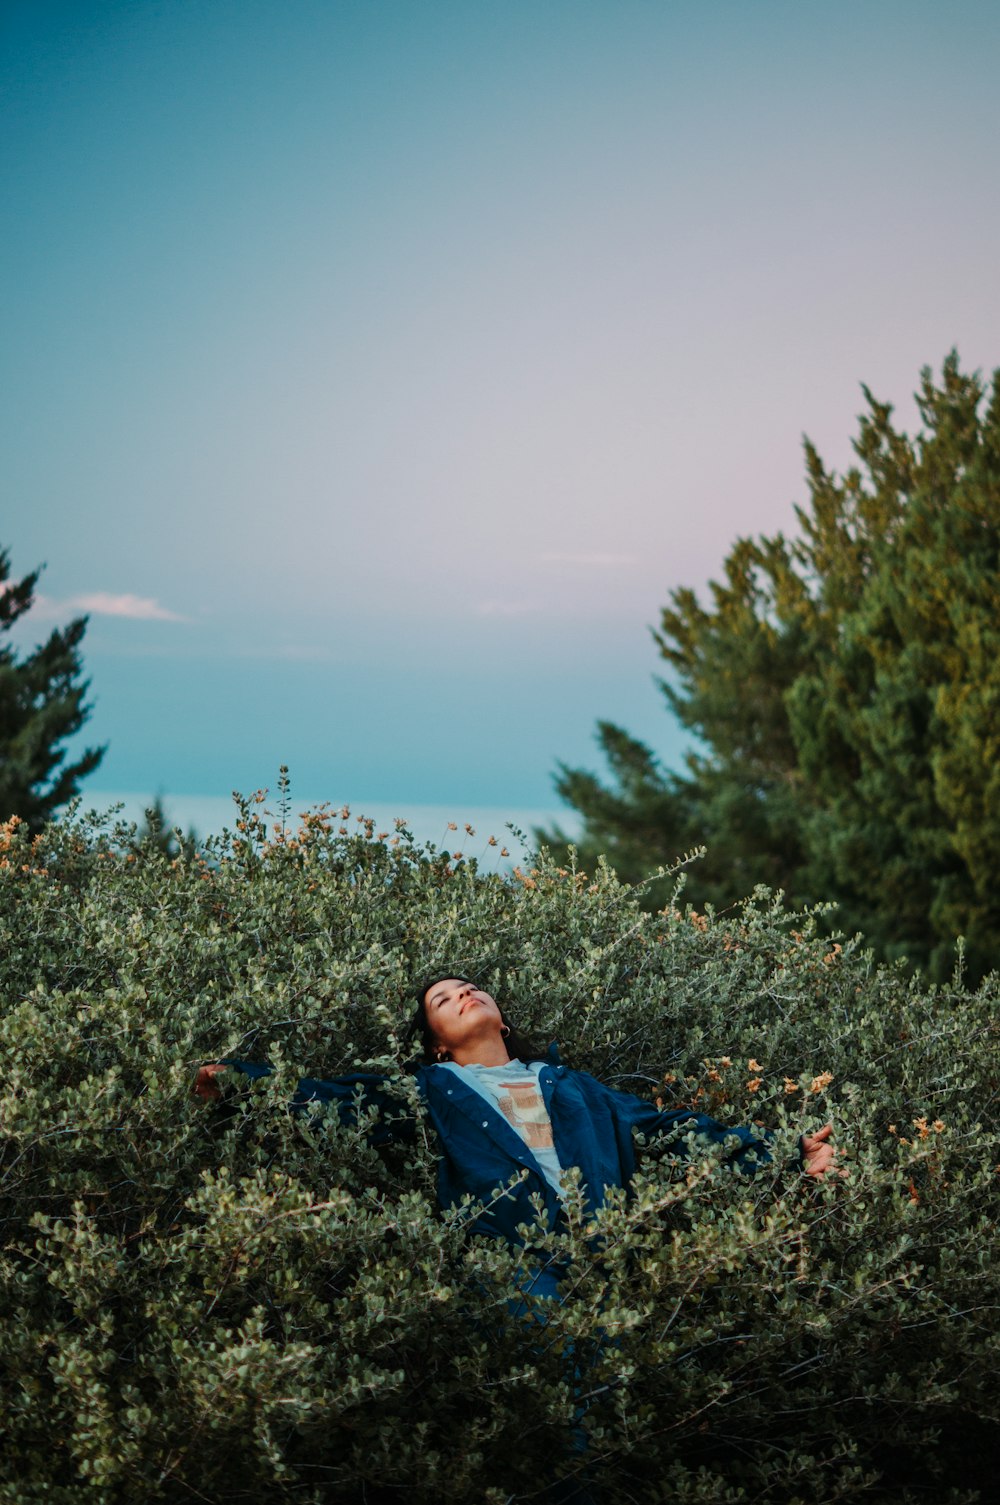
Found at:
(518, 1044)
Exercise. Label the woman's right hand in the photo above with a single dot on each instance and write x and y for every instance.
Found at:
(205, 1085)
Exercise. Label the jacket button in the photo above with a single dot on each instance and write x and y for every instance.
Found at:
(486, 1123)
(449, 1092)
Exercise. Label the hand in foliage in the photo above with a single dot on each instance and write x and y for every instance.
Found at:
(205, 1085)
(818, 1154)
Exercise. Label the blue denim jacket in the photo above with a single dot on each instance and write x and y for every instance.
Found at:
(592, 1128)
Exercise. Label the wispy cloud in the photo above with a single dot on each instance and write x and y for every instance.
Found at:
(593, 561)
(104, 604)
(139, 608)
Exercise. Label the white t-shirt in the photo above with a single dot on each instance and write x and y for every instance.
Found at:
(515, 1091)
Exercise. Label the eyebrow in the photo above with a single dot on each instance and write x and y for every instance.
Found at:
(434, 997)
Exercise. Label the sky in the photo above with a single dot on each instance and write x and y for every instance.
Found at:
(372, 372)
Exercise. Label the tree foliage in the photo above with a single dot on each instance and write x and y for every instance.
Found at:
(41, 704)
(170, 840)
(843, 686)
(233, 1304)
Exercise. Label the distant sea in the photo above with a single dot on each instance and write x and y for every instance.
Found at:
(208, 814)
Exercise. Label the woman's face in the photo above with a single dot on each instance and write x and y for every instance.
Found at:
(460, 1014)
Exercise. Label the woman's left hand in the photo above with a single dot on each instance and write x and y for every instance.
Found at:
(818, 1154)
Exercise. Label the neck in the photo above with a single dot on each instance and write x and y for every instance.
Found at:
(491, 1052)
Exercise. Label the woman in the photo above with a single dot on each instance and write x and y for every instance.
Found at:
(505, 1116)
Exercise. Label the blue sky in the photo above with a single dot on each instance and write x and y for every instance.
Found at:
(372, 372)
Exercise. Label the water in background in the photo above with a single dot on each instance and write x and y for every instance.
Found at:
(208, 814)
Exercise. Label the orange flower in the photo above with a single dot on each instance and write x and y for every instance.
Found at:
(754, 1083)
(821, 1082)
(790, 1086)
(753, 1065)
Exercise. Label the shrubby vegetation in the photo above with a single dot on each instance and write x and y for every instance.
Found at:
(232, 1304)
(842, 686)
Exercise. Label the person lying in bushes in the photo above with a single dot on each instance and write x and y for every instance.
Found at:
(499, 1108)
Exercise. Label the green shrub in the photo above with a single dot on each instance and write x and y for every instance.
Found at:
(236, 1304)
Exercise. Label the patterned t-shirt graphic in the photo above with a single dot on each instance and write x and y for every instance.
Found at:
(522, 1104)
(515, 1091)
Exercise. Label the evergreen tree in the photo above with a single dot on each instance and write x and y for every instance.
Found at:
(844, 690)
(168, 840)
(41, 704)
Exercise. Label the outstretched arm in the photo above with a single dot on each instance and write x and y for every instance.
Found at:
(817, 1152)
(344, 1094)
(747, 1149)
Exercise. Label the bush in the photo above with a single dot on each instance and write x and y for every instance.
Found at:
(237, 1304)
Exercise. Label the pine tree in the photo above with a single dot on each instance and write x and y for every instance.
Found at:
(156, 832)
(844, 690)
(41, 705)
